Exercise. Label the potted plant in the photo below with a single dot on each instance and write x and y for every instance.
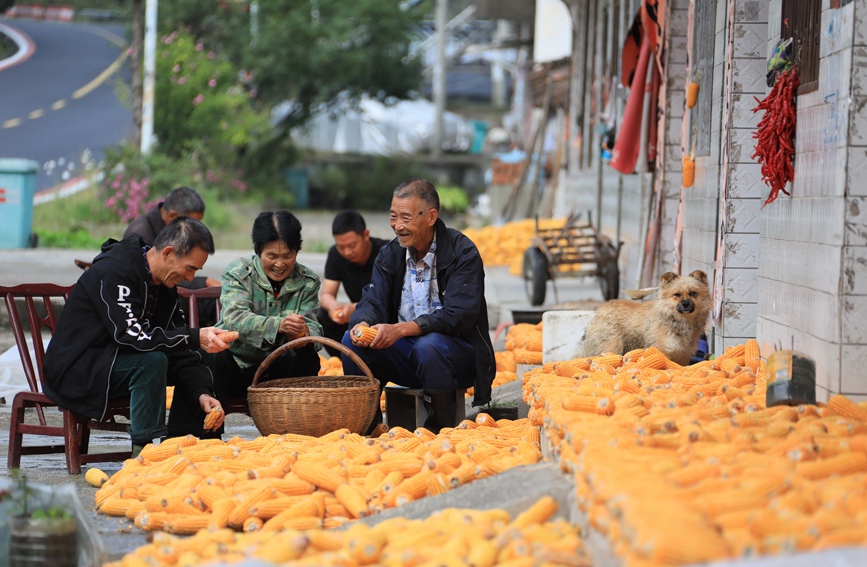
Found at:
(41, 532)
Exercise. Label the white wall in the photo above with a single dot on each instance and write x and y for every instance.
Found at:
(812, 274)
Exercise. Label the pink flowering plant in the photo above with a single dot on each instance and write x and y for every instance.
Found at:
(200, 103)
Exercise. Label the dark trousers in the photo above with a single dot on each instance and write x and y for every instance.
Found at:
(331, 330)
(232, 381)
(144, 377)
(430, 362)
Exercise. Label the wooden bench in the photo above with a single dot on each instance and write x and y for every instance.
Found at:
(404, 407)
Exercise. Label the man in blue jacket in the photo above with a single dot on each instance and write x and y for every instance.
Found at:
(426, 299)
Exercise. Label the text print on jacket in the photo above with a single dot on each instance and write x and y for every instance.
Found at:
(104, 315)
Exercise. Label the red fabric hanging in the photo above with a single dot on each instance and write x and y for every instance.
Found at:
(624, 157)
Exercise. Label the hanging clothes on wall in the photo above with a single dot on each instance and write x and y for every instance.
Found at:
(635, 148)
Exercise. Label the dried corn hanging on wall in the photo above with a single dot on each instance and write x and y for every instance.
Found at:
(691, 467)
(450, 537)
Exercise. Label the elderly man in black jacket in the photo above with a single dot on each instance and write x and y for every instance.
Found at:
(123, 332)
(426, 299)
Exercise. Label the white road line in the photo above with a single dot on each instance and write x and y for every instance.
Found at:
(26, 47)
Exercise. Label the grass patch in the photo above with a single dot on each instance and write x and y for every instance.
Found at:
(80, 221)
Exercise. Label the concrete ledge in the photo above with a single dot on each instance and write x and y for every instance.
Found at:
(513, 490)
(563, 333)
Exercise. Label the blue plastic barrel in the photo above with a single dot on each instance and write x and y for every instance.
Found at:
(17, 186)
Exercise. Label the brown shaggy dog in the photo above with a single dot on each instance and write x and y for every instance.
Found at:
(672, 323)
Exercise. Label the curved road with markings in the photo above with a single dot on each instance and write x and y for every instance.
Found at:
(61, 103)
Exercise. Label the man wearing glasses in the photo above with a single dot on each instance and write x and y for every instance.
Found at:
(426, 300)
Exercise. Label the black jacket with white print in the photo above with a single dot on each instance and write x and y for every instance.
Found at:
(104, 316)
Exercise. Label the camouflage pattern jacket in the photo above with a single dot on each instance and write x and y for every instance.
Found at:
(251, 308)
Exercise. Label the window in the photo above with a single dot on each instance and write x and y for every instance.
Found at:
(801, 19)
(704, 36)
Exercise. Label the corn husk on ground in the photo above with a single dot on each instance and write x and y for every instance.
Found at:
(296, 482)
(449, 537)
(686, 465)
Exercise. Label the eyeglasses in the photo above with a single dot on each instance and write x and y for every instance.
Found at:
(405, 217)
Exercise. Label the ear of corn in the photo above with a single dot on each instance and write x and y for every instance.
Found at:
(839, 404)
(95, 477)
(364, 334)
(212, 418)
(352, 500)
(692, 94)
(688, 171)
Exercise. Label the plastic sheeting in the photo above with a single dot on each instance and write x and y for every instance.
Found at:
(373, 128)
(12, 378)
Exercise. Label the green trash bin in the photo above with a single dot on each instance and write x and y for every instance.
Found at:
(299, 184)
(17, 186)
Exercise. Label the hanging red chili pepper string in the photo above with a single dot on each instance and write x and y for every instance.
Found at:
(775, 135)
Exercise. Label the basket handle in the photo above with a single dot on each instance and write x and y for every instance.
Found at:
(313, 339)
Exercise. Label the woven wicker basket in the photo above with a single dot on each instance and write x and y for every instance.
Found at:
(313, 405)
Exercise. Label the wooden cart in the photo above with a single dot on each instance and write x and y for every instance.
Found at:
(575, 250)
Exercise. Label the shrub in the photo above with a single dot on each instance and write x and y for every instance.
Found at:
(198, 99)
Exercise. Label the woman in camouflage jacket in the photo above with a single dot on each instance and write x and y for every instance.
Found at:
(269, 299)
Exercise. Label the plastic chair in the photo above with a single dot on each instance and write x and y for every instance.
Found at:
(76, 428)
(231, 405)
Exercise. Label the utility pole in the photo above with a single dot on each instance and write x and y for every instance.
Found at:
(439, 78)
(150, 50)
(135, 68)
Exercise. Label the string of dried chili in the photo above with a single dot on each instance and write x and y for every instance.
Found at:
(775, 135)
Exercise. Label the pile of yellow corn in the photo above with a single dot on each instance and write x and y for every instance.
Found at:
(332, 366)
(505, 245)
(482, 538)
(298, 482)
(680, 465)
(524, 346)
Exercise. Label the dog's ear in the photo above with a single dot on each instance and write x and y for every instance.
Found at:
(667, 278)
(700, 276)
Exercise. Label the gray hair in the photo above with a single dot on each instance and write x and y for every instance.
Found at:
(184, 201)
(421, 188)
(184, 234)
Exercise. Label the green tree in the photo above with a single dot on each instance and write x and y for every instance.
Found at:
(310, 51)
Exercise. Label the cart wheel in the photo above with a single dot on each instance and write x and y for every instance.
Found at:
(535, 275)
(609, 281)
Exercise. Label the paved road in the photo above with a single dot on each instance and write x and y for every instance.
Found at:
(61, 100)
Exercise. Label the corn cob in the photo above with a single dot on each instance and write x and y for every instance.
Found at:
(221, 511)
(846, 463)
(243, 510)
(352, 500)
(364, 334)
(252, 524)
(185, 524)
(840, 405)
(212, 418)
(601, 406)
(324, 540)
(115, 506)
(95, 477)
(302, 523)
(318, 475)
(302, 509)
(538, 513)
(267, 509)
(364, 544)
(107, 491)
(155, 453)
